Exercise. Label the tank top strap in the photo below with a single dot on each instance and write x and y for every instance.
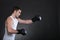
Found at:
(12, 17)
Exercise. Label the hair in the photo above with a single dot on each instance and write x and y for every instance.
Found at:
(15, 8)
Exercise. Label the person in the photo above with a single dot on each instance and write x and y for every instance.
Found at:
(12, 21)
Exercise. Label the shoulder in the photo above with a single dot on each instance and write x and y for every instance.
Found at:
(9, 19)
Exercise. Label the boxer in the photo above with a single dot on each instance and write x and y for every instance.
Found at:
(12, 21)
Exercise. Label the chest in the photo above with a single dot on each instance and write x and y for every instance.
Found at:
(14, 23)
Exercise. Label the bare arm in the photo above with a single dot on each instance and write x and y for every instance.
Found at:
(9, 27)
(25, 21)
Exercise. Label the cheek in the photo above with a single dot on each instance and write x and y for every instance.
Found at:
(17, 13)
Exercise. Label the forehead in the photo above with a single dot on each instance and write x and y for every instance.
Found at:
(19, 10)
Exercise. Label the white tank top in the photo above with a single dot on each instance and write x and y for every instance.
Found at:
(14, 26)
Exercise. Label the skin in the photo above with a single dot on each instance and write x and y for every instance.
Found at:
(8, 22)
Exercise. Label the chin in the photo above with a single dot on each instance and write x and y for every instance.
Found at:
(16, 16)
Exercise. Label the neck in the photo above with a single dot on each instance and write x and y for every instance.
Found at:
(13, 15)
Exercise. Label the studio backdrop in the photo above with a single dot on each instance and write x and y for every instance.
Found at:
(46, 29)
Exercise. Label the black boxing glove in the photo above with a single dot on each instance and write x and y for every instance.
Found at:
(36, 18)
(22, 31)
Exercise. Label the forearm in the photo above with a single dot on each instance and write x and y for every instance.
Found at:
(28, 21)
(12, 31)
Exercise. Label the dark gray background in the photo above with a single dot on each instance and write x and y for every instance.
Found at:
(47, 29)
